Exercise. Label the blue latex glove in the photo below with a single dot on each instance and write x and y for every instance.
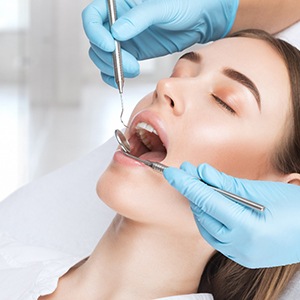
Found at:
(250, 238)
(152, 28)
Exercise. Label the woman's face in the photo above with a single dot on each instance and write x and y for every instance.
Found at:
(225, 105)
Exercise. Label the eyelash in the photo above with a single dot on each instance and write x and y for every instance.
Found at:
(222, 103)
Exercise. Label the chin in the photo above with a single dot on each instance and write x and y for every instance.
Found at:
(111, 188)
(142, 195)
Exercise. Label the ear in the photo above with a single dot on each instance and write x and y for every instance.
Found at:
(293, 178)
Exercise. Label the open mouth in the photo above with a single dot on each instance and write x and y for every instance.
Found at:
(146, 143)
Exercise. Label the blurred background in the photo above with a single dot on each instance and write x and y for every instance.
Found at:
(54, 107)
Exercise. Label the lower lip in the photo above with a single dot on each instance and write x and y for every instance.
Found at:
(121, 158)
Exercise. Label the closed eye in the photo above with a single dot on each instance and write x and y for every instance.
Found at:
(223, 104)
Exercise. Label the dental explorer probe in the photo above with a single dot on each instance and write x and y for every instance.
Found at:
(117, 57)
(158, 167)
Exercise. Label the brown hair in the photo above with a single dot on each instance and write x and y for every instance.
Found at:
(224, 278)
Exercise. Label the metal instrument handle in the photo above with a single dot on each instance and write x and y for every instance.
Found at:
(117, 58)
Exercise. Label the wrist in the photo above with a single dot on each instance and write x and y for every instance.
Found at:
(218, 19)
(232, 12)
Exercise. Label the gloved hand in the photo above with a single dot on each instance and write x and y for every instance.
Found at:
(152, 28)
(251, 238)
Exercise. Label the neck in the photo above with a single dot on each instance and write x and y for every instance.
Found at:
(136, 261)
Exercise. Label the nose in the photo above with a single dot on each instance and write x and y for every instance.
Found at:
(171, 92)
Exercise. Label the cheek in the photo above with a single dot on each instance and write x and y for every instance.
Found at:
(144, 196)
(235, 150)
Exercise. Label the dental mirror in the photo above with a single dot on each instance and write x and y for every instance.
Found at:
(125, 146)
(123, 142)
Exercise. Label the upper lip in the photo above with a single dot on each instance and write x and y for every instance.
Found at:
(152, 119)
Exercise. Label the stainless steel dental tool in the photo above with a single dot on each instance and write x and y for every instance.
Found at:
(117, 57)
(125, 146)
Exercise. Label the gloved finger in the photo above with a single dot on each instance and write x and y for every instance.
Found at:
(189, 169)
(189, 186)
(200, 170)
(215, 228)
(102, 65)
(110, 80)
(242, 187)
(258, 191)
(211, 202)
(131, 67)
(93, 17)
(218, 179)
(136, 20)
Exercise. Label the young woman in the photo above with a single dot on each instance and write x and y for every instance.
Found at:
(233, 104)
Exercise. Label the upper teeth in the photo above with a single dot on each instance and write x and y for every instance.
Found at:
(145, 126)
(141, 129)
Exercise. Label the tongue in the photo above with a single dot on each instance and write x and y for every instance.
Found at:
(157, 156)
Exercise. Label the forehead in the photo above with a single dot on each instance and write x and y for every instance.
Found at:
(257, 60)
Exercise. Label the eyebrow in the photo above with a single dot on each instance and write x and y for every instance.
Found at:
(192, 56)
(244, 80)
(230, 73)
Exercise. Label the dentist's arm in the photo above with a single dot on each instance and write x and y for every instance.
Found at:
(251, 238)
(272, 15)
